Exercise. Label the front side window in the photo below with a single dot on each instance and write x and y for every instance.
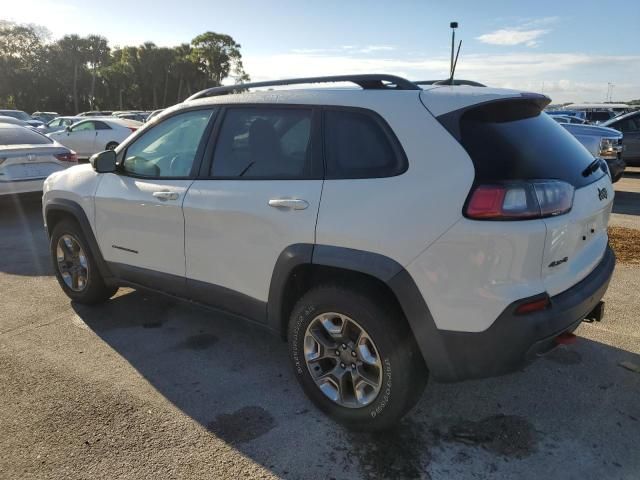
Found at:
(357, 146)
(264, 142)
(169, 148)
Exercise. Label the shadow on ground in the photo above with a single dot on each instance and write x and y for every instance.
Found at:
(235, 380)
(24, 247)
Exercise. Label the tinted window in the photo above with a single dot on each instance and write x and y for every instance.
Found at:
(357, 146)
(628, 125)
(22, 136)
(264, 142)
(101, 126)
(512, 140)
(169, 148)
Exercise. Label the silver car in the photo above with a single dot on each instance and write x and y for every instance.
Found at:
(59, 123)
(27, 158)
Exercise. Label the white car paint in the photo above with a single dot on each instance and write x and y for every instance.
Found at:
(467, 271)
(94, 134)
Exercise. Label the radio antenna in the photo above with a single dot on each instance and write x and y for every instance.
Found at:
(454, 62)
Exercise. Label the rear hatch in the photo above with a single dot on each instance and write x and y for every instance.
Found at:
(510, 143)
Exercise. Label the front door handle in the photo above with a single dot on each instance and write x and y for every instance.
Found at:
(289, 203)
(164, 195)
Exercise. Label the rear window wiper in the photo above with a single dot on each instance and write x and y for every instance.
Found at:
(593, 166)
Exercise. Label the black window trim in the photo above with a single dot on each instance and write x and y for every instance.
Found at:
(197, 161)
(392, 139)
(316, 142)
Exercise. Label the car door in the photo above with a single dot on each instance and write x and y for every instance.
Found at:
(80, 137)
(259, 193)
(104, 136)
(139, 220)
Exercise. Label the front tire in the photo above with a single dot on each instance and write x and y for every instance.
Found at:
(355, 357)
(112, 145)
(76, 269)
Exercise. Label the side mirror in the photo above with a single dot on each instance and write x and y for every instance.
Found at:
(104, 162)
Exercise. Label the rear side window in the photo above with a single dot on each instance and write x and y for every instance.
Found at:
(359, 145)
(264, 142)
(513, 140)
(22, 136)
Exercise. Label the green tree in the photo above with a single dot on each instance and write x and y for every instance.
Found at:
(97, 50)
(218, 55)
(74, 50)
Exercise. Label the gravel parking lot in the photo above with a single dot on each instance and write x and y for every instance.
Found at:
(147, 387)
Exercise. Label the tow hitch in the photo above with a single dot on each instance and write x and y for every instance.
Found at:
(596, 314)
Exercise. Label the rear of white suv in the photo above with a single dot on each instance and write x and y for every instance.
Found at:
(389, 234)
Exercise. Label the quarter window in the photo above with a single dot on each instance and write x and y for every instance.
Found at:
(259, 142)
(357, 145)
(169, 148)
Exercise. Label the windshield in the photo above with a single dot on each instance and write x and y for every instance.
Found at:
(22, 136)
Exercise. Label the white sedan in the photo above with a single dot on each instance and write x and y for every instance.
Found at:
(27, 158)
(95, 134)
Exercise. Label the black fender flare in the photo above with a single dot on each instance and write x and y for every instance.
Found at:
(391, 273)
(74, 210)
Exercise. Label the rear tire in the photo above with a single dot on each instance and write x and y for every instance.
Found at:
(340, 391)
(76, 270)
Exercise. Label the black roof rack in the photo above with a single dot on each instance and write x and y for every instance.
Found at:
(367, 82)
(448, 82)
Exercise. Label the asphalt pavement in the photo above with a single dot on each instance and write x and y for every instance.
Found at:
(148, 387)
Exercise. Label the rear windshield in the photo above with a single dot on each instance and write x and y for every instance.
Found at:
(513, 140)
(22, 136)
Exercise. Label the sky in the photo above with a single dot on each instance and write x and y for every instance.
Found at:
(568, 49)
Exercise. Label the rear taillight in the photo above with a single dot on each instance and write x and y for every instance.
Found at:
(67, 157)
(520, 200)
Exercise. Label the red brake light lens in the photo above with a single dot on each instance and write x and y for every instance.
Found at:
(533, 306)
(520, 200)
(67, 157)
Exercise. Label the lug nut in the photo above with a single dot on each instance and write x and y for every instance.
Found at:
(353, 366)
(344, 347)
(337, 353)
(342, 365)
(353, 353)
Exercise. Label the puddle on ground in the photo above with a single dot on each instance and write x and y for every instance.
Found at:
(401, 452)
(508, 435)
(201, 341)
(243, 425)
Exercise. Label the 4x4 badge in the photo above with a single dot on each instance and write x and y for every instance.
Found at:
(602, 193)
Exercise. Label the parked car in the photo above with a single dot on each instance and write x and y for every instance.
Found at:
(20, 115)
(14, 121)
(580, 115)
(629, 125)
(27, 158)
(154, 114)
(93, 135)
(59, 123)
(137, 116)
(96, 113)
(602, 142)
(324, 216)
(567, 119)
(44, 117)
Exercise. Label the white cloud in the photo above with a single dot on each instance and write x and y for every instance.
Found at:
(512, 36)
(563, 74)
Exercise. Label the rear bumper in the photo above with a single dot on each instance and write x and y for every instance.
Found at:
(513, 340)
(21, 186)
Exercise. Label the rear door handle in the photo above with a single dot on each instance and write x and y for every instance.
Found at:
(164, 196)
(289, 203)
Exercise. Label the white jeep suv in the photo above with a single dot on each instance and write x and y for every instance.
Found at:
(388, 232)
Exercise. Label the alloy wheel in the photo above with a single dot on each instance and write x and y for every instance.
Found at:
(72, 263)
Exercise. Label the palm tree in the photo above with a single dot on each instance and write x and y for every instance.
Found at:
(74, 49)
(97, 49)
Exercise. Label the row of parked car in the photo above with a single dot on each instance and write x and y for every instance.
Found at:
(34, 146)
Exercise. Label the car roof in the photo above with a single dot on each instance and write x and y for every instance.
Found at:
(439, 99)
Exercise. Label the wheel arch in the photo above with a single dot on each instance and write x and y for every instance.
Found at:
(302, 266)
(57, 210)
